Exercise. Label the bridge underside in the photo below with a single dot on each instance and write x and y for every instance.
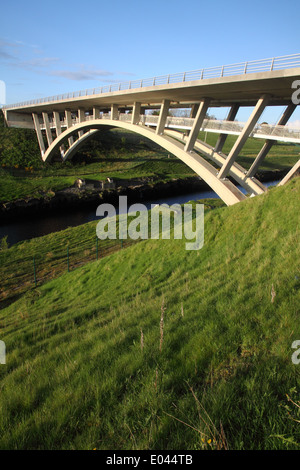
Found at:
(62, 127)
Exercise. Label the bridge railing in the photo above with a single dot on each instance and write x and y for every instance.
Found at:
(254, 66)
(210, 125)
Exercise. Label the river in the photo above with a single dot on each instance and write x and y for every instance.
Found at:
(36, 227)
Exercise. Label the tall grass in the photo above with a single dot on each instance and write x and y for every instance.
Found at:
(78, 377)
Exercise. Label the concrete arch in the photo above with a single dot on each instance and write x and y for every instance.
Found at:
(226, 190)
(237, 172)
(69, 154)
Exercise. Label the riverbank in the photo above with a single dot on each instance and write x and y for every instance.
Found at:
(73, 198)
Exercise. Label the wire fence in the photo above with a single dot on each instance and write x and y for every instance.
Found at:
(20, 272)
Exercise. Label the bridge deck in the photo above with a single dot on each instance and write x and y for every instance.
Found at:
(223, 91)
(243, 83)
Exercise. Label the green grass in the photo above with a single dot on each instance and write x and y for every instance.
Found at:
(77, 377)
(50, 254)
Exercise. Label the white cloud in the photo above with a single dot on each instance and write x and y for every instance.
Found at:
(36, 63)
(82, 74)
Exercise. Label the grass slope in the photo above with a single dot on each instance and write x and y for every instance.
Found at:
(155, 347)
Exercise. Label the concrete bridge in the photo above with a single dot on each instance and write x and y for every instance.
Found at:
(64, 122)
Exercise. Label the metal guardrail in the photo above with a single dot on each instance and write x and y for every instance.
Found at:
(254, 66)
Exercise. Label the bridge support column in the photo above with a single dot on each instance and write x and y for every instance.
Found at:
(57, 124)
(114, 112)
(255, 115)
(200, 116)
(163, 116)
(290, 174)
(81, 118)
(269, 143)
(47, 127)
(231, 117)
(136, 113)
(96, 113)
(194, 110)
(69, 124)
(56, 118)
(39, 133)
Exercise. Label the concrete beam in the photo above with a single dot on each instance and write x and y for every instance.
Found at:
(231, 117)
(39, 134)
(69, 124)
(291, 174)
(81, 118)
(164, 109)
(194, 110)
(57, 123)
(96, 113)
(248, 128)
(269, 143)
(47, 127)
(136, 113)
(200, 116)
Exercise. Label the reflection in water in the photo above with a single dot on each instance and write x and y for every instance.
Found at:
(24, 229)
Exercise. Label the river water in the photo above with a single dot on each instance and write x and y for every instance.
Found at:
(26, 229)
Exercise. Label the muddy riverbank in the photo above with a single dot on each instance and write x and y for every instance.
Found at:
(91, 196)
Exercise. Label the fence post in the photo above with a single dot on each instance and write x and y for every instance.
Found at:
(34, 272)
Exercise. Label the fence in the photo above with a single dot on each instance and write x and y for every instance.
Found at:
(21, 272)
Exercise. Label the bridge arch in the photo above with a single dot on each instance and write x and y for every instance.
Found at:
(225, 189)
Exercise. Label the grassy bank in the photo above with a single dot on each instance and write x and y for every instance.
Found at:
(49, 256)
(156, 347)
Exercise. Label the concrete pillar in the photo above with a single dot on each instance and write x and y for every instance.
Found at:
(231, 117)
(81, 118)
(291, 174)
(39, 134)
(194, 110)
(200, 116)
(164, 109)
(69, 124)
(136, 113)
(56, 118)
(239, 143)
(269, 143)
(114, 112)
(47, 127)
(96, 113)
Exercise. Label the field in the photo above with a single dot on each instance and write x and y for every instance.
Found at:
(156, 347)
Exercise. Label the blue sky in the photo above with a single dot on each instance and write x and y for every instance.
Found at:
(54, 47)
